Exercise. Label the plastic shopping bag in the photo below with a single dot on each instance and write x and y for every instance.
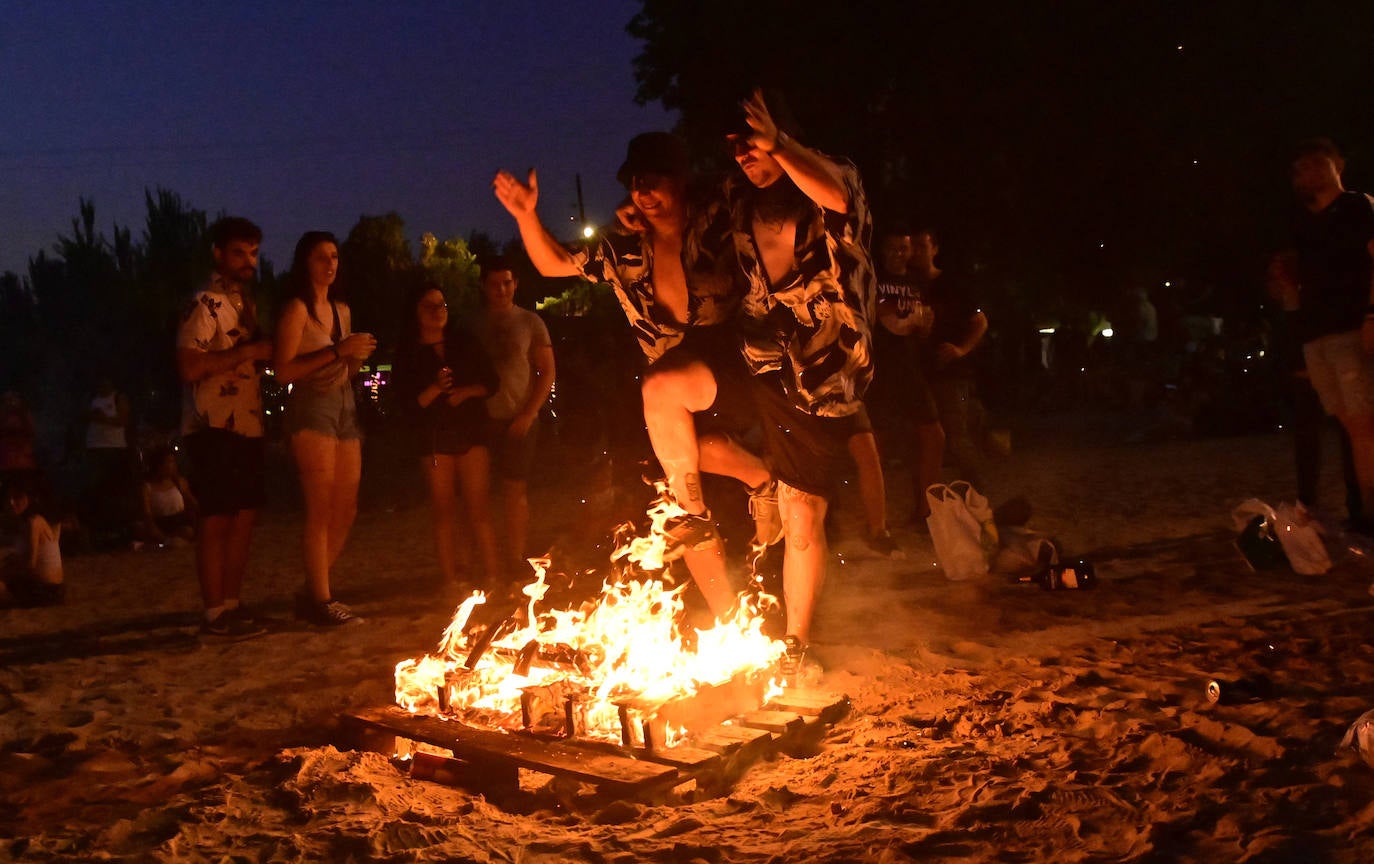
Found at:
(1021, 551)
(1302, 541)
(961, 528)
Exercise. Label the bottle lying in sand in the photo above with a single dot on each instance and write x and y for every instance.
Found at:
(1238, 691)
(1058, 577)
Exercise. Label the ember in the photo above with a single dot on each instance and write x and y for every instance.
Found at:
(618, 668)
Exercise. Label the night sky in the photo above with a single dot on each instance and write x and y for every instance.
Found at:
(304, 116)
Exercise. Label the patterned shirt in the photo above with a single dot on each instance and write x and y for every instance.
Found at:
(626, 263)
(228, 400)
(812, 327)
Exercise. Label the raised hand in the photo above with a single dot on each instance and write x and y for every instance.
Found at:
(518, 198)
(756, 114)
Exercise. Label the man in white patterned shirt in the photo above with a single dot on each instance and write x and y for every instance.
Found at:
(219, 347)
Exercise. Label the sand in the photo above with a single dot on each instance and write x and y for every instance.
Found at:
(991, 721)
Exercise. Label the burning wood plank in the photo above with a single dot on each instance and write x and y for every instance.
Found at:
(616, 774)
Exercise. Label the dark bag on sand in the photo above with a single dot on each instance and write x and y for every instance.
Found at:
(1258, 545)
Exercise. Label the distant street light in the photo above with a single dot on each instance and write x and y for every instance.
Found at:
(588, 231)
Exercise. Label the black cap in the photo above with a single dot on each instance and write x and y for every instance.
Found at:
(653, 153)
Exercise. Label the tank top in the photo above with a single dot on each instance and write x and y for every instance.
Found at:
(99, 435)
(318, 335)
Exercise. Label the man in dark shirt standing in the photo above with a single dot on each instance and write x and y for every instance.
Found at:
(1335, 239)
(901, 395)
(958, 329)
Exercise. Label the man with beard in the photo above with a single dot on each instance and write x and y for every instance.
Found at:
(801, 232)
(675, 282)
(219, 349)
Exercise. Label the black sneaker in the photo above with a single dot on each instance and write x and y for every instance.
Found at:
(763, 506)
(790, 663)
(798, 666)
(227, 625)
(688, 532)
(885, 545)
(329, 613)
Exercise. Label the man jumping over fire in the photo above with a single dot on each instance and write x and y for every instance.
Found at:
(802, 230)
(677, 284)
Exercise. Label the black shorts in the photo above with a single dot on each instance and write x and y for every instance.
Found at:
(806, 452)
(901, 392)
(228, 471)
(857, 423)
(511, 459)
(718, 348)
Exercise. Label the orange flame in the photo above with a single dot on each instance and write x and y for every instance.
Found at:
(625, 645)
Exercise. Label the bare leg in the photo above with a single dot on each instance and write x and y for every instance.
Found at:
(315, 463)
(930, 457)
(439, 471)
(474, 479)
(517, 506)
(721, 455)
(803, 563)
(236, 550)
(348, 471)
(210, 554)
(863, 448)
(671, 396)
(707, 567)
(1361, 430)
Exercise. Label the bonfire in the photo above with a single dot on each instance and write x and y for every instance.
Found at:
(582, 671)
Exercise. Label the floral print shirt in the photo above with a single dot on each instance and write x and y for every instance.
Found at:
(626, 263)
(229, 400)
(812, 328)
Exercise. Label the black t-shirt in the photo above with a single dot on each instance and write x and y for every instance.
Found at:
(419, 367)
(1334, 265)
(954, 302)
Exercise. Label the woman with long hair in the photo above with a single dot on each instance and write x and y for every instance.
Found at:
(442, 381)
(317, 353)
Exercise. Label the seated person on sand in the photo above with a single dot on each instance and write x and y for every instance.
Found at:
(168, 507)
(31, 574)
(676, 282)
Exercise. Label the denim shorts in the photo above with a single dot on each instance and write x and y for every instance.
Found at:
(330, 411)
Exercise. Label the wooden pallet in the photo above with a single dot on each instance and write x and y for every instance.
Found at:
(488, 762)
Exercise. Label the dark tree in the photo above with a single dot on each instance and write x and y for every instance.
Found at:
(1068, 144)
